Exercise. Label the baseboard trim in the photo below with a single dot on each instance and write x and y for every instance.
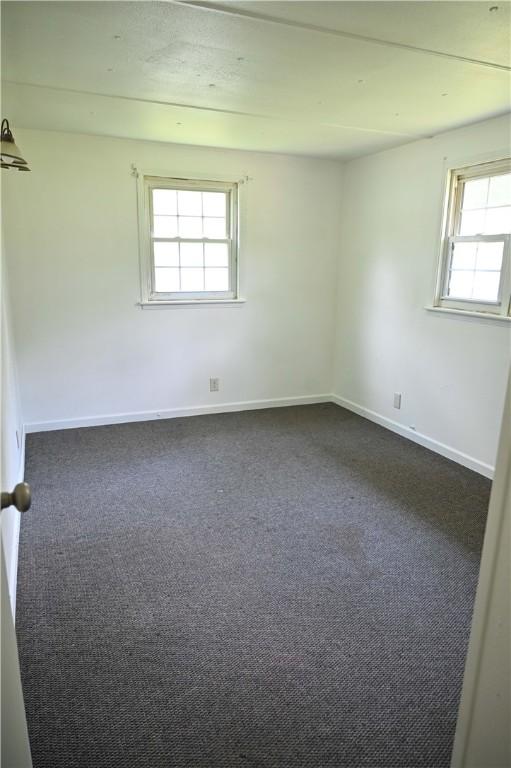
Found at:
(172, 413)
(248, 405)
(428, 442)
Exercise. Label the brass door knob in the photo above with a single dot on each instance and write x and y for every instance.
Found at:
(21, 497)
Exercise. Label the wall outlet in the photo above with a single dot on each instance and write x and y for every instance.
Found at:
(397, 400)
(214, 385)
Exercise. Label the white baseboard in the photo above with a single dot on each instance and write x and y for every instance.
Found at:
(247, 405)
(200, 410)
(428, 442)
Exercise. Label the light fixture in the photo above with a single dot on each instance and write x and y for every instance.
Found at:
(10, 156)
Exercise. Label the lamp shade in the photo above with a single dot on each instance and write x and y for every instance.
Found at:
(11, 156)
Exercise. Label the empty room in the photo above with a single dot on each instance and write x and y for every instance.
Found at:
(256, 411)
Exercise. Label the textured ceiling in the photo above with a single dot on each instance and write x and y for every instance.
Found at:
(337, 79)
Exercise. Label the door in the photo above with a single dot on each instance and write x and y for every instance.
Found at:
(15, 745)
(15, 749)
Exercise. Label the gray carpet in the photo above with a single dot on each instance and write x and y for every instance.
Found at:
(289, 587)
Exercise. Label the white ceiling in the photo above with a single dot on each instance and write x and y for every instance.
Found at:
(336, 79)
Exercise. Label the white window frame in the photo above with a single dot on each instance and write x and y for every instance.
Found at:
(149, 296)
(452, 207)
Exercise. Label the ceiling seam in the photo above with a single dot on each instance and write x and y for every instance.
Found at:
(304, 26)
(218, 110)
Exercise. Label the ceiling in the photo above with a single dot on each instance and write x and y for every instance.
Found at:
(333, 79)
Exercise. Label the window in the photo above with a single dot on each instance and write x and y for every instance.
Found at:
(188, 240)
(475, 265)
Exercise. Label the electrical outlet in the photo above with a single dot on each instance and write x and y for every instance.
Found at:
(214, 385)
(397, 400)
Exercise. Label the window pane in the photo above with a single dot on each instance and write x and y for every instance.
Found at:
(489, 255)
(486, 286)
(472, 222)
(165, 202)
(191, 254)
(192, 279)
(498, 221)
(464, 256)
(189, 203)
(475, 193)
(166, 280)
(214, 227)
(214, 203)
(216, 254)
(217, 279)
(190, 226)
(165, 226)
(500, 190)
(166, 254)
(460, 285)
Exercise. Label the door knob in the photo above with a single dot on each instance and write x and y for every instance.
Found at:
(21, 497)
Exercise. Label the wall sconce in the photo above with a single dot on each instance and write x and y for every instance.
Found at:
(10, 156)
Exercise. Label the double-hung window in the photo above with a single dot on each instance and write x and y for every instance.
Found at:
(188, 240)
(475, 271)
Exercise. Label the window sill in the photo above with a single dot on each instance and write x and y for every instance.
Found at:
(468, 313)
(191, 303)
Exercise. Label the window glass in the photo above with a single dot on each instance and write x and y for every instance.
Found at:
(476, 267)
(191, 240)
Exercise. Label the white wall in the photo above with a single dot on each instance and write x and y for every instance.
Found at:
(450, 370)
(86, 349)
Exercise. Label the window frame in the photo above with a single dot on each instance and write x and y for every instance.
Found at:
(456, 178)
(147, 181)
